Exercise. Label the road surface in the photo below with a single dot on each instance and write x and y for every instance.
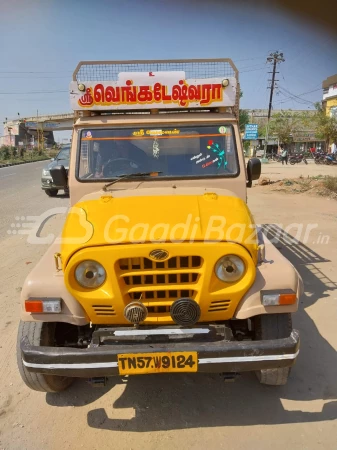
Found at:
(177, 411)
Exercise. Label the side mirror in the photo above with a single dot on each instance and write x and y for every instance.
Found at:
(52, 159)
(253, 170)
(59, 176)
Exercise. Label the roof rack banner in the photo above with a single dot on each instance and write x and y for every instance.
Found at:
(153, 90)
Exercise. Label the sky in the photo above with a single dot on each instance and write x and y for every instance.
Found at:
(41, 42)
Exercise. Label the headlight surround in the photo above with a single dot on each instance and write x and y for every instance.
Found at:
(45, 173)
(90, 274)
(229, 268)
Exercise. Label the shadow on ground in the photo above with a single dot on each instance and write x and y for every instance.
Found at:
(169, 402)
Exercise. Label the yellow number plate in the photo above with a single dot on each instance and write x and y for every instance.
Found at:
(140, 363)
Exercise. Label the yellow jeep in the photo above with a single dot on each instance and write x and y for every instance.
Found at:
(160, 266)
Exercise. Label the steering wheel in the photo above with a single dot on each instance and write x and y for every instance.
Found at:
(120, 166)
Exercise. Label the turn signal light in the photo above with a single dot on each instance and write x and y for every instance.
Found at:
(276, 299)
(47, 305)
(34, 306)
(287, 299)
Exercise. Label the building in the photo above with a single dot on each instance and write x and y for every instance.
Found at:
(330, 95)
(302, 140)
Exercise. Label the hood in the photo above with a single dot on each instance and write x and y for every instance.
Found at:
(107, 219)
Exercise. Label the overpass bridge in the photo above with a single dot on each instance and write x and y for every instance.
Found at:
(35, 130)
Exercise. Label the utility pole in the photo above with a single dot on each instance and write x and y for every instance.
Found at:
(274, 58)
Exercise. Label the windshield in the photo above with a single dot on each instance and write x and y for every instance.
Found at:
(64, 153)
(185, 151)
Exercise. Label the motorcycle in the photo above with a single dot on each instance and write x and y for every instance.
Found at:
(296, 159)
(330, 159)
(319, 158)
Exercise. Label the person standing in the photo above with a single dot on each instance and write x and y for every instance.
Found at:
(284, 155)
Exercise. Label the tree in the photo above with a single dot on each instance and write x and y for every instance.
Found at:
(326, 126)
(243, 117)
(285, 124)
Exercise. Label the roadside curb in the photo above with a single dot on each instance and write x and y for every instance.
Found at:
(22, 162)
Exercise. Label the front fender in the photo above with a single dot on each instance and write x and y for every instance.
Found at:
(274, 273)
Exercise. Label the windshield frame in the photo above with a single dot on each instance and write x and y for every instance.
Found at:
(151, 178)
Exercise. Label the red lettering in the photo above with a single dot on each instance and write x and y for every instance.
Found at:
(110, 94)
(145, 94)
(157, 92)
(206, 94)
(86, 99)
(99, 93)
(216, 92)
(165, 96)
(176, 90)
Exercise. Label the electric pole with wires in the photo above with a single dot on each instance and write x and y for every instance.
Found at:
(274, 58)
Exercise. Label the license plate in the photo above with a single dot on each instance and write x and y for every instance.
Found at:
(141, 363)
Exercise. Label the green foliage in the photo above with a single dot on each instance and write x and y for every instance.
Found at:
(243, 119)
(285, 124)
(5, 152)
(330, 183)
(326, 126)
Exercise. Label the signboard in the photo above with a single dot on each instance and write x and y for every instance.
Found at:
(251, 131)
(145, 90)
(48, 125)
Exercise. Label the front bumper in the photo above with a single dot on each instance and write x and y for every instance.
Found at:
(47, 183)
(218, 356)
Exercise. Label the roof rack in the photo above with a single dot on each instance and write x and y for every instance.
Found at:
(87, 73)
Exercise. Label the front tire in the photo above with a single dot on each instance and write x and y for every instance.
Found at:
(39, 334)
(51, 192)
(273, 326)
(292, 162)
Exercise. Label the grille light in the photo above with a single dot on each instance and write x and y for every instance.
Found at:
(90, 274)
(229, 268)
(135, 312)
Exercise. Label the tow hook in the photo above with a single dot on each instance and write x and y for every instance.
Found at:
(97, 382)
(230, 377)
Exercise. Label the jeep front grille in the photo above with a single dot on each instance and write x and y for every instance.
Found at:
(159, 283)
(176, 262)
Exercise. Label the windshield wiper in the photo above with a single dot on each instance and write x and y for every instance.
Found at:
(131, 175)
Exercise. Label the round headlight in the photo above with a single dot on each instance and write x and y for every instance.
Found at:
(90, 274)
(229, 268)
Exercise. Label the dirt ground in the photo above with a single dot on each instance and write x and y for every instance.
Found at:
(190, 411)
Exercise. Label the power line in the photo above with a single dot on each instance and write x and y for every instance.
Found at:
(31, 93)
(20, 71)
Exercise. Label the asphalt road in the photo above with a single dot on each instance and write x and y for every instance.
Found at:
(22, 196)
(170, 411)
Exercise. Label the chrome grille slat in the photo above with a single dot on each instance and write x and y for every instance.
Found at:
(159, 282)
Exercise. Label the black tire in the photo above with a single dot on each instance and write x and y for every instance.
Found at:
(292, 162)
(39, 333)
(273, 326)
(66, 192)
(51, 192)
